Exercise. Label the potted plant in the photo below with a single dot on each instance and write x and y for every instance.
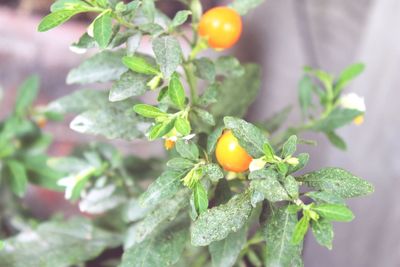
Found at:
(228, 193)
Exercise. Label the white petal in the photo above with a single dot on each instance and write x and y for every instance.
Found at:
(257, 164)
(353, 101)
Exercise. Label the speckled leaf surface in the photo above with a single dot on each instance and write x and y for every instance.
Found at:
(130, 84)
(338, 181)
(60, 244)
(163, 249)
(217, 223)
(225, 252)
(114, 121)
(278, 232)
(167, 210)
(102, 67)
(250, 137)
(168, 54)
(164, 187)
(269, 186)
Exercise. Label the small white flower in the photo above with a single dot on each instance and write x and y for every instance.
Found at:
(175, 138)
(353, 101)
(70, 182)
(188, 137)
(257, 164)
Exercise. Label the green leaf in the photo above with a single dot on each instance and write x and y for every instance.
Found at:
(213, 171)
(205, 69)
(133, 43)
(58, 244)
(69, 5)
(162, 188)
(224, 253)
(268, 151)
(114, 121)
(27, 93)
(323, 232)
(256, 197)
(168, 54)
(162, 94)
(337, 181)
(183, 126)
(229, 66)
(278, 232)
(130, 84)
(282, 168)
(305, 93)
(149, 111)
(192, 177)
(180, 164)
(276, 120)
(325, 197)
(213, 139)
(162, 249)
(176, 92)
(264, 182)
(209, 96)
(325, 78)
(291, 186)
(102, 3)
(251, 138)
(79, 101)
(187, 149)
(236, 94)
(139, 65)
(347, 76)
(336, 119)
(336, 140)
(217, 223)
(56, 18)
(161, 129)
(100, 200)
(102, 29)
(103, 67)
(18, 179)
(149, 9)
(165, 211)
(180, 18)
(205, 116)
(134, 211)
(40, 173)
(200, 197)
(151, 28)
(300, 230)
(263, 174)
(84, 43)
(289, 147)
(334, 212)
(244, 6)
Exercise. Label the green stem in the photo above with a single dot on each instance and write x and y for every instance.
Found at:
(192, 81)
(123, 22)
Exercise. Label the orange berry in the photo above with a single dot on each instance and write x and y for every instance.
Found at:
(169, 144)
(221, 26)
(41, 122)
(230, 155)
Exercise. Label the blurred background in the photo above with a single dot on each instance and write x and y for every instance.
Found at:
(282, 36)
